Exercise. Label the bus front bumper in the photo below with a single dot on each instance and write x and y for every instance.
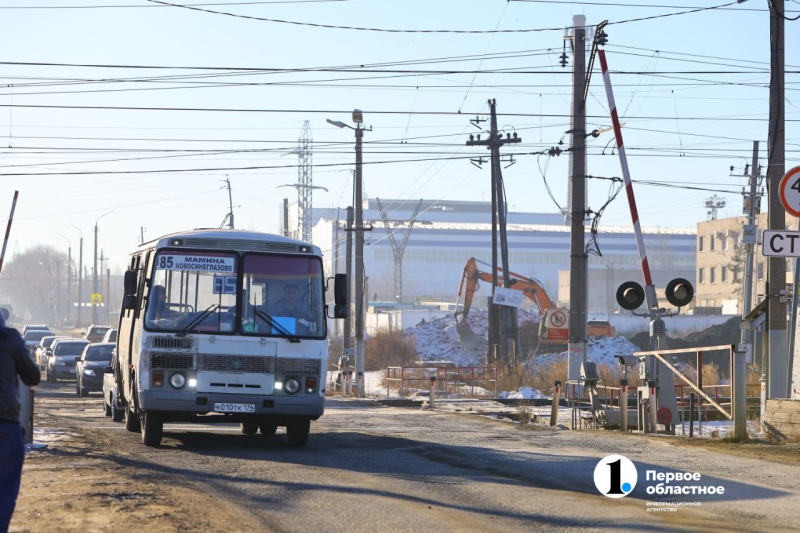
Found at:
(301, 405)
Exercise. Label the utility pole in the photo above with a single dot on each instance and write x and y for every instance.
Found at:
(94, 270)
(229, 217)
(777, 367)
(103, 298)
(108, 295)
(749, 239)
(58, 291)
(141, 233)
(80, 277)
(69, 278)
(502, 322)
(94, 278)
(358, 338)
(285, 217)
(576, 354)
(397, 251)
(348, 265)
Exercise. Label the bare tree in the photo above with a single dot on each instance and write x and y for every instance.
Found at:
(32, 283)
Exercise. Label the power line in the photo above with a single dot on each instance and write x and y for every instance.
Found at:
(375, 112)
(618, 4)
(387, 30)
(128, 6)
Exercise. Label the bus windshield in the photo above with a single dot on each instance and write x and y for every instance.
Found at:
(193, 292)
(282, 296)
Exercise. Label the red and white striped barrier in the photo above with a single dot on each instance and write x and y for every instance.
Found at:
(649, 289)
(8, 229)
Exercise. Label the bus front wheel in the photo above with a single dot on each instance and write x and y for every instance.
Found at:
(152, 423)
(297, 432)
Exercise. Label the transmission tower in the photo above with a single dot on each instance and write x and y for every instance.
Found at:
(304, 183)
(305, 188)
(713, 204)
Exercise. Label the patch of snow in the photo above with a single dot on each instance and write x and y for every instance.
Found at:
(523, 393)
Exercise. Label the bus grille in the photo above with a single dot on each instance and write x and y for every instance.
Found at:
(237, 363)
(172, 342)
(298, 366)
(171, 360)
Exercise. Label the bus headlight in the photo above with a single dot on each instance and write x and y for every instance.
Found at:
(177, 380)
(291, 385)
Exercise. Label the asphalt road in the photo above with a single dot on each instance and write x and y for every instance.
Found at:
(370, 468)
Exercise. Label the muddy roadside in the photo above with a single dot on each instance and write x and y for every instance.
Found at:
(82, 482)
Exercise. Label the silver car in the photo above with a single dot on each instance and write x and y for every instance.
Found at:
(63, 357)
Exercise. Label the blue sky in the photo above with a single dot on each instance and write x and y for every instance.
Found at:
(665, 115)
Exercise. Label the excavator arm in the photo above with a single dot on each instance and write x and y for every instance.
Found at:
(470, 279)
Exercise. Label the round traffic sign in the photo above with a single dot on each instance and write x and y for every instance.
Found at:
(558, 319)
(790, 192)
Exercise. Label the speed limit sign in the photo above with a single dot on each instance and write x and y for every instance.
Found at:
(790, 192)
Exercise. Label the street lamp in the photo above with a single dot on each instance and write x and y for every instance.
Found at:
(358, 337)
(94, 271)
(80, 277)
(69, 277)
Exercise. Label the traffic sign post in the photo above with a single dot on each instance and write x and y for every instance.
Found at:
(789, 190)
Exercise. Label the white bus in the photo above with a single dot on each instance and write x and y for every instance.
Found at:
(224, 325)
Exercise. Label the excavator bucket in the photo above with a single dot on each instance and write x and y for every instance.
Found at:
(468, 337)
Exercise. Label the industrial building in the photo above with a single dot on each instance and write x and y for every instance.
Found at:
(447, 233)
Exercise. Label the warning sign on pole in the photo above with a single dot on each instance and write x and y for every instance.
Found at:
(97, 299)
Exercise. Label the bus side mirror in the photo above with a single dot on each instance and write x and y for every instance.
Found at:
(128, 301)
(340, 291)
(130, 284)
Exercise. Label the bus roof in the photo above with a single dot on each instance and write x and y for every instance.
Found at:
(229, 239)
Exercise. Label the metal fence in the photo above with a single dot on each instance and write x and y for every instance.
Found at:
(449, 381)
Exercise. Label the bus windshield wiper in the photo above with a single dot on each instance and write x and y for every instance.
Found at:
(199, 318)
(275, 325)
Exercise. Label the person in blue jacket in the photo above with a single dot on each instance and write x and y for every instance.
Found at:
(15, 364)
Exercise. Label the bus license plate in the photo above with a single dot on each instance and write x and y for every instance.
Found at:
(235, 407)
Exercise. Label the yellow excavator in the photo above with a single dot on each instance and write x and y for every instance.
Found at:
(553, 321)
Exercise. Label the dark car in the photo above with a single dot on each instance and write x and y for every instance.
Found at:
(40, 356)
(29, 327)
(33, 337)
(89, 370)
(62, 358)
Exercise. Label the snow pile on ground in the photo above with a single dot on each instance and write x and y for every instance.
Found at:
(523, 393)
(600, 350)
(438, 340)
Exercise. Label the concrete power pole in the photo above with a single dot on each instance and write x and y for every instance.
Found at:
(502, 323)
(348, 267)
(578, 257)
(777, 368)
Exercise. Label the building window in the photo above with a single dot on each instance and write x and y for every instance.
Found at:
(760, 271)
(712, 275)
(735, 275)
(712, 243)
(701, 275)
(723, 274)
(724, 241)
(701, 244)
